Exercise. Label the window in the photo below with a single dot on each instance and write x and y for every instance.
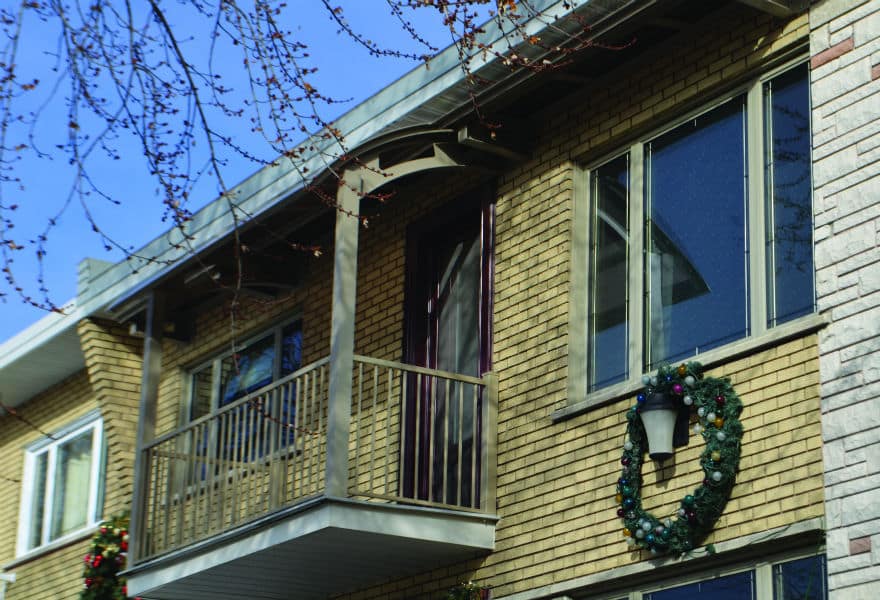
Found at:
(253, 365)
(803, 578)
(701, 235)
(237, 435)
(738, 586)
(63, 484)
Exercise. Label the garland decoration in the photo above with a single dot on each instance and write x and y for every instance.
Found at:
(106, 558)
(718, 408)
(469, 591)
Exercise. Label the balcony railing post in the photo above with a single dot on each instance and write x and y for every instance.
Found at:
(342, 334)
(489, 452)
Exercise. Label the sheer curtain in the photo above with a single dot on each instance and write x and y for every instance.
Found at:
(73, 471)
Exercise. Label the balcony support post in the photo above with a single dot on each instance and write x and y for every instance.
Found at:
(146, 429)
(488, 447)
(345, 254)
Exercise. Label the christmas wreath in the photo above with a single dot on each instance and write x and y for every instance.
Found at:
(106, 558)
(718, 408)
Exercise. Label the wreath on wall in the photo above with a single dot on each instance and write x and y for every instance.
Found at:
(718, 408)
(106, 558)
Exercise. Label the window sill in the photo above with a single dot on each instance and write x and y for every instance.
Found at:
(82, 533)
(713, 358)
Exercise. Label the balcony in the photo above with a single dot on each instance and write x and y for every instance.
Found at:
(249, 497)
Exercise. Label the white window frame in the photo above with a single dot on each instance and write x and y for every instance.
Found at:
(216, 359)
(580, 397)
(92, 421)
(763, 569)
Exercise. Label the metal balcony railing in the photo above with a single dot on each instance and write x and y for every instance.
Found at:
(417, 435)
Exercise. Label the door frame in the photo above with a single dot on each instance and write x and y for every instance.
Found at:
(480, 205)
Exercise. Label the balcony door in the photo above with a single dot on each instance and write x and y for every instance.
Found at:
(449, 262)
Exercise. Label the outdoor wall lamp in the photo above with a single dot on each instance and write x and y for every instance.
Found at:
(659, 414)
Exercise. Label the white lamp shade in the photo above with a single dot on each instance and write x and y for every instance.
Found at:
(659, 425)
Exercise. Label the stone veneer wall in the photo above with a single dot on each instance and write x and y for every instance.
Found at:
(845, 51)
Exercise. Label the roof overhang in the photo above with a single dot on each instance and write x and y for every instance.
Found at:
(43, 354)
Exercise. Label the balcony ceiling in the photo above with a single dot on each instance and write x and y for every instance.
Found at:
(317, 550)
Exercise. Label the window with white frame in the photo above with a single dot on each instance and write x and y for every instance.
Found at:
(252, 365)
(701, 235)
(62, 485)
(216, 386)
(795, 578)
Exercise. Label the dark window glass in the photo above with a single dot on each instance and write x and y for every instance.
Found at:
(248, 370)
(789, 207)
(696, 268)
(740, 586)
(804, 579)
(291, 349)
(609, 265)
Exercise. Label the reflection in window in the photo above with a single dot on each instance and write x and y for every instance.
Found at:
(609, 265)
(247, 370)
(740, 586)
(696, 268)
(803, 579)
(255, 365)
(787, 185)
(72, 484)
(233, 376)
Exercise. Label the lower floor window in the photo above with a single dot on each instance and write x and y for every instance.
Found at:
(62, 484)
(802, 578)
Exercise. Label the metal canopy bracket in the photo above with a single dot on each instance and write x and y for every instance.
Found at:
(479, 138)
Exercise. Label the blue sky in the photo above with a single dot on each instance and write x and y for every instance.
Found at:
(346, 71)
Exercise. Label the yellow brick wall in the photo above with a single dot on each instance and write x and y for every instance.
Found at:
(556, 481)
(113, 364)
(56, 574)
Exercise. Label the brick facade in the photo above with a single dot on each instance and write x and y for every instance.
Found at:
(556, 481)
(810, 399)
(109, 384)
(845, 50)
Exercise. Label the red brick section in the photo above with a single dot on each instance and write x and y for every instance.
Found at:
(860, 545)
(875, 71)
(831, 53)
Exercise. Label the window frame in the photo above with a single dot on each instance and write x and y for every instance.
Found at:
(185, 481)
(214, 362)
(763, 576)
(760, 334)
(93, 422)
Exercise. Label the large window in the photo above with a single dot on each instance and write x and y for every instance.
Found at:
(702, 235)
(803, 578)
(62, 485)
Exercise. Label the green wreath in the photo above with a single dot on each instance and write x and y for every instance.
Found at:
(718, 409)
